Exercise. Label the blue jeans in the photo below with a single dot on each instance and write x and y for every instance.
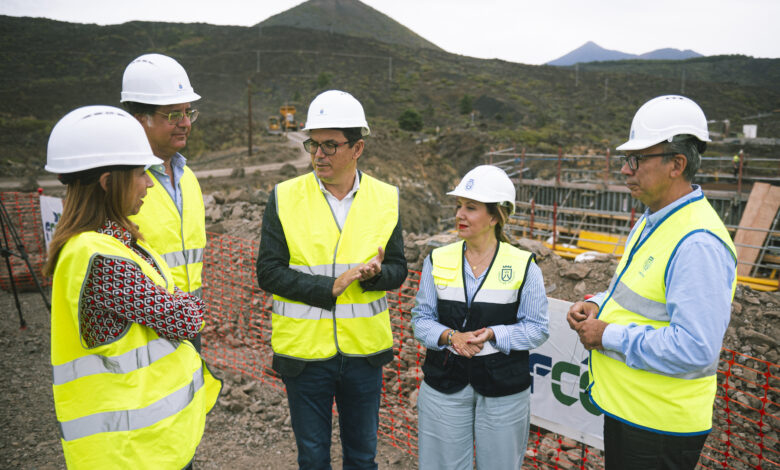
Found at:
(356, 386)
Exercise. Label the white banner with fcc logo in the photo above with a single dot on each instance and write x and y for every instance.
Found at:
(559, 373)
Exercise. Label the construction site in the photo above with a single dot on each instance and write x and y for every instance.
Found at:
(434, 115)
(572, 212)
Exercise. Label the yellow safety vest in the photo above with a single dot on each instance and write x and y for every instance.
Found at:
(138, 402)
(495, 303)
(179, 238)
(672, 404)
(359, 324)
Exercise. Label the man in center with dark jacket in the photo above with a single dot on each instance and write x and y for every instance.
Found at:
(331, 246)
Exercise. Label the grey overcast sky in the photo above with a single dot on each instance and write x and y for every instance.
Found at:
(526, 31)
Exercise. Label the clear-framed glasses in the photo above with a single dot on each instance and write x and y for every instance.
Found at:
(633, 159)
(328, 147)
(174, 117)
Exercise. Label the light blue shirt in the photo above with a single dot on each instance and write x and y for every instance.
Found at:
(698, 299)
(177, 165)
(530, 331)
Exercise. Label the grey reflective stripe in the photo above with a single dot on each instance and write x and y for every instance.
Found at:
(496, 296)
(361, 310)
(697, 374)
(198, 292)
(333, 270)
(634, 302)
(456, 294)
(492, 296)
(302, 311)
(131, 420)
(180, 258)
(128, 362)
(307, 312)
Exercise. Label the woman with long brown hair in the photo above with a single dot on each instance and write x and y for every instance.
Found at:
(130, 391)
(481, 306)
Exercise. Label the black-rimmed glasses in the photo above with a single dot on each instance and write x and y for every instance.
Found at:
(328, 147)
(633, 159)
(174, 117)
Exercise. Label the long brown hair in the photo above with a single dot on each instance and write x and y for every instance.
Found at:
(87, 207)
(501, 213)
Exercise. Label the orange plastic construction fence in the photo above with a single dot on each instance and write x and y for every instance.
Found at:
(24, 213)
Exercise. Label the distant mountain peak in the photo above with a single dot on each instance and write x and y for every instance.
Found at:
(592, 52)
(350, 18)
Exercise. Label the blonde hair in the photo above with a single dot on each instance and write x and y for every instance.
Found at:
(500, 212)
(87, 207)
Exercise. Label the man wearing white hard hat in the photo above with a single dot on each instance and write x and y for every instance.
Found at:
(480, 308)
(129, 389)
(331, 246)
(655, 334)
(157, 91)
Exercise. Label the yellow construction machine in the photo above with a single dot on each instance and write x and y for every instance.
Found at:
(287, 118)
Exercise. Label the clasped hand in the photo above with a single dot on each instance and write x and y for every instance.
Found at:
(469, 343)
(582, 319)
(362, 272)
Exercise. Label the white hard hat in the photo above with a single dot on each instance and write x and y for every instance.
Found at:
(664, 117)
(334, 109)
(97, 136)
(157, 79)
(487, 183)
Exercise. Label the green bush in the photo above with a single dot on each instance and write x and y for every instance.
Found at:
(466, 104)
(410, 120)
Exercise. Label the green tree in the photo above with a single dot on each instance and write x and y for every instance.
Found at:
(410, 120)
(466, 104)
(323, 80)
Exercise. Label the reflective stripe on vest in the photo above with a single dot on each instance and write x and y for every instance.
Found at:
(179, 258)
(141, 356)
(179, 237)
(668, 403)
(133, 420)
(359, 324)
(493, 296)
(307, 312)
(118, 403)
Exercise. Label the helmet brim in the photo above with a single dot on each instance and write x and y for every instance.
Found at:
(469, 195)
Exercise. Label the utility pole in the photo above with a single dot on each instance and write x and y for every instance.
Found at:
(389, 69)
(258, 62)
(249, 114)
(576, 75)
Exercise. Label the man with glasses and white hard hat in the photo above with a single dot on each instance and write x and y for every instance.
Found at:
(157, 91)
(655, 334)
(331, 246)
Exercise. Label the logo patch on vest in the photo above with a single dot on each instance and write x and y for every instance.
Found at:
(646, 266)
(506, 274)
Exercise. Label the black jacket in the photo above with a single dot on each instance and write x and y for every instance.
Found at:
(274, 275)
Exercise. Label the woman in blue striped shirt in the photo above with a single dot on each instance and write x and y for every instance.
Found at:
(481, 306)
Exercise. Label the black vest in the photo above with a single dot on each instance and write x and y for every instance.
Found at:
(492, 375)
